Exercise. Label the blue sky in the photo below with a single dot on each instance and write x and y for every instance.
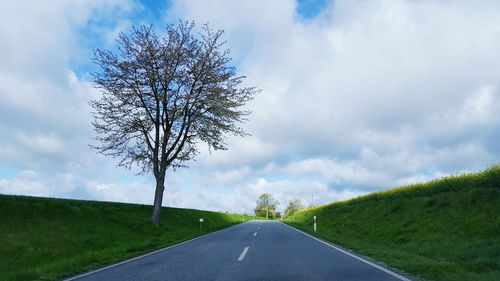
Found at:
(357, 96)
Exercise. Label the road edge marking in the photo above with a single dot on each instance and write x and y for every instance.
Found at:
(351, 254)
(242, 255)
(147, 254)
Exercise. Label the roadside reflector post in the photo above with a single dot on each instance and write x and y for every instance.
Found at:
(201, 223)
(314, 223)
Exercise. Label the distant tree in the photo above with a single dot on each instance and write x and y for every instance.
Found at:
(265, 203)
(162, 94)
(277, 215)
(293, 206)
(260, 213)
(274, 212)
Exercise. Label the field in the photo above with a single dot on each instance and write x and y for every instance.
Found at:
(45, 239)
(446, 229)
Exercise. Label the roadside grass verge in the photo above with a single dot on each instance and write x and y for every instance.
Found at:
(47, 239)
(446, 229)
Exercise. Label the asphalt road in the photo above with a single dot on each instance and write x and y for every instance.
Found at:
(256, 250)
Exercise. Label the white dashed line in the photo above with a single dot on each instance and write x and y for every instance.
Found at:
(242, 256)
(145, 255)
(255, 234)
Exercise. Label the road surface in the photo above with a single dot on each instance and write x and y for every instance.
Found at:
(255, 250)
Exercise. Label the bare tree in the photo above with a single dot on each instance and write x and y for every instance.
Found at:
(162, 95)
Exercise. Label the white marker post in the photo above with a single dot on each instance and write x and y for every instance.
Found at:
(314, 223)
(201, 222)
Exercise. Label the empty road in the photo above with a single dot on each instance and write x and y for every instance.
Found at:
(256, 250)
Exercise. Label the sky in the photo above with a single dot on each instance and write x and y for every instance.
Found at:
(357, 97)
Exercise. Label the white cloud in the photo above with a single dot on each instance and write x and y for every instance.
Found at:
(42, 143)
(365, 70)
(29, 182)
(135, 192)
(242, 197)
(367, 95)
(45, 119)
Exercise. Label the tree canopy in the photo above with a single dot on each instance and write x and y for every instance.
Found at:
(266, 204)
(293, 206)
(164, 93)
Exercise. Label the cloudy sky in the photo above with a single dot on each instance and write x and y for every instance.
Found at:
(357, 96)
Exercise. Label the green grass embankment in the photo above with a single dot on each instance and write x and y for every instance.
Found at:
(46, 239)
(446, 229)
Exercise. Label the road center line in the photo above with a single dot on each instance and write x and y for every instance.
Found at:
(255, 234)
(147, 254)
(242, 256)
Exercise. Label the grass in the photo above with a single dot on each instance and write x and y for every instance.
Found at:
(446, 229)
(46, 239)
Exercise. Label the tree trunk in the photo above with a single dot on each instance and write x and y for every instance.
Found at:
(267, 213)
(160, 187)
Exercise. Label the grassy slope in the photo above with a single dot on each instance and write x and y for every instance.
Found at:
(44, 239)
(447, 229)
